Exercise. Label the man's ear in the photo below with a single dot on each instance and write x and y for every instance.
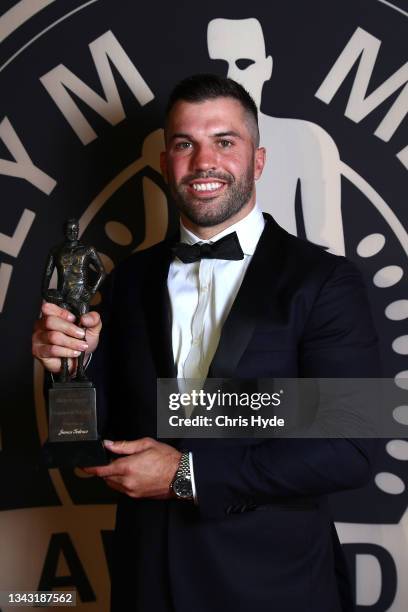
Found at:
(259, 162)
(163, 165)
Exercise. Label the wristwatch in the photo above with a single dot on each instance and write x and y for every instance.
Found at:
(181, 484)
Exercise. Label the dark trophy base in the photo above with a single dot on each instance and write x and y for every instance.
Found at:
(74, 454)
(73, 436)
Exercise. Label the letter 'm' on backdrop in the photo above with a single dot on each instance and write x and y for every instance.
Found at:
(83, 89)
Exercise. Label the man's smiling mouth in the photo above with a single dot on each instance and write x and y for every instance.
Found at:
(207, 186)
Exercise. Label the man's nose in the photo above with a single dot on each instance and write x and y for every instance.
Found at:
(204, 158)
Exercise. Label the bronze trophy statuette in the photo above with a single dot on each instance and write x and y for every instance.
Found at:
(73, 438)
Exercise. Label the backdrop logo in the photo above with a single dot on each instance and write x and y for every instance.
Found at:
(86, 140)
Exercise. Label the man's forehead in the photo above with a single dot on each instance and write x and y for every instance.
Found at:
(221, 110)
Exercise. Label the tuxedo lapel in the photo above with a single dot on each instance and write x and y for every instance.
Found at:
(158, 315)
(256, 291)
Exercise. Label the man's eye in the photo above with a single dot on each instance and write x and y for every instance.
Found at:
(183, 145)
(225, 144)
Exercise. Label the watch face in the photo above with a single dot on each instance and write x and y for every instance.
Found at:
(182, 487)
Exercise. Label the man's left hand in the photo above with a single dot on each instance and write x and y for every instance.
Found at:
(147, 470)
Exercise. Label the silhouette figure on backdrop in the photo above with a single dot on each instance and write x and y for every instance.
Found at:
(298, 151)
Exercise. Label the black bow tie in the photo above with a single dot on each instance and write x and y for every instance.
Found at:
(227, 247)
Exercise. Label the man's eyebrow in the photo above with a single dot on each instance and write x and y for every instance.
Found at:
(180, 135)
(228, 133)
(216, 135)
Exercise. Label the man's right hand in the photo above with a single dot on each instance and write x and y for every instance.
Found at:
(56, 335)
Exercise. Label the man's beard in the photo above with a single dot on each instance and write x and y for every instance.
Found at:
(207, 213)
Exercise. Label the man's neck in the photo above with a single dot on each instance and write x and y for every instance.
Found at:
(206, 233)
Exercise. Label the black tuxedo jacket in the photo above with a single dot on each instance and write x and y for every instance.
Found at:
(261, 538)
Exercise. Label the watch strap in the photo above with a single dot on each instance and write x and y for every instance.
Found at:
(183, 473)
(184, 466)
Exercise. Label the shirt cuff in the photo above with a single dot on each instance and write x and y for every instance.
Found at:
(190, 458)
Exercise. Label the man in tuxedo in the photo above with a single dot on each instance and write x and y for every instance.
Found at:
(210, 525)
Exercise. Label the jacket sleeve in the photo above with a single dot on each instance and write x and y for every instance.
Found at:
(338, 341)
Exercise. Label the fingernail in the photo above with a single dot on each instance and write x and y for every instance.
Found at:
(80, 332)
(83, 345)
(108, 443)
(71, 317)
(76, 353)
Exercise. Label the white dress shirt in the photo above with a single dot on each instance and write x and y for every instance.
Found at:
(201, 296)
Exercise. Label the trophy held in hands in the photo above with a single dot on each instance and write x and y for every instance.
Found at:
(73, 438)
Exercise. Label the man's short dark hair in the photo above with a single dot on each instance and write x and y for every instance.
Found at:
(202, 87)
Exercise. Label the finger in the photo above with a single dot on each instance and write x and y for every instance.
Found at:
(54, 323)
(115, 485)
(95, 471)
(105, 471)
(48, 308)
(54, 365)
(128, 447)
(118, 480)
(59, 339)
(93, 325)
(91, 319)
(52, 351)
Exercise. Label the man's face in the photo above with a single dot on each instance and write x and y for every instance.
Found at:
(211, 161)
(72, 231)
